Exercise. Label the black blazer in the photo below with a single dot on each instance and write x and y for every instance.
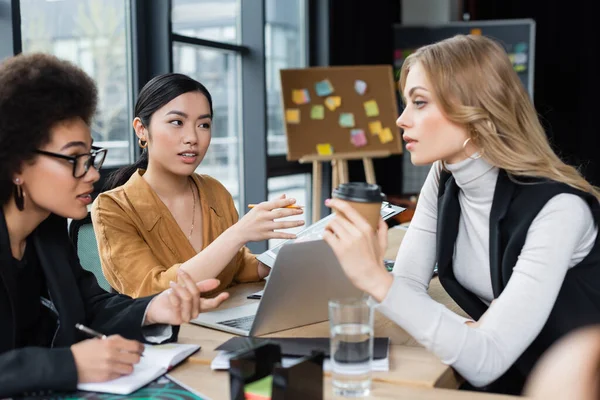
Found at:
(514, 208)
(77, 298)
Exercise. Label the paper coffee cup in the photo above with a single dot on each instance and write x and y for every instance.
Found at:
(364, 197)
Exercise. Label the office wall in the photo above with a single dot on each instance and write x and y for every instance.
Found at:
(424, 12)
(419, 13)
(360, 35)
(567, 83)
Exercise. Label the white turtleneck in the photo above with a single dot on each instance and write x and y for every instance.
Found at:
(560, 236)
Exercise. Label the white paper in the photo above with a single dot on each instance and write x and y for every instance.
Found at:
(157, 360)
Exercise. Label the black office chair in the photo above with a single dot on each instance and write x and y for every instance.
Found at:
(84, 239)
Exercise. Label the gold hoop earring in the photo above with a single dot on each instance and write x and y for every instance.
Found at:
(142, 143)
(464, 146)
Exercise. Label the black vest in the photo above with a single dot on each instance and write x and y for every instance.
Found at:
(514, 207)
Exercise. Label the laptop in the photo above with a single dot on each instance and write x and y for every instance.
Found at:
(303, 279)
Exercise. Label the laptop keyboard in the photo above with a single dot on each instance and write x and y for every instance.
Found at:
(244, 323)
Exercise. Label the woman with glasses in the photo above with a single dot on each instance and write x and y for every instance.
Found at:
(48, 167)
(160, 217)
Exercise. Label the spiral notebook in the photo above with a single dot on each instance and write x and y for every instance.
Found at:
(157, 360)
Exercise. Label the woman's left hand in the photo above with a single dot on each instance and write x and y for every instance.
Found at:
(359, 249)
(182, 302)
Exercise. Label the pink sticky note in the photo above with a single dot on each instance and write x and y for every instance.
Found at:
(358, 138)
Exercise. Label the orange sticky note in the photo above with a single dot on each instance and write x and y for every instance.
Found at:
(475, 31)
(324, 149)
(300, 96)
(375, 127)
(333, 102)
(292, 116)
(386, 135)
(371, 108)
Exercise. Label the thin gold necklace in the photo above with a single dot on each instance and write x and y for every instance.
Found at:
(193, 210)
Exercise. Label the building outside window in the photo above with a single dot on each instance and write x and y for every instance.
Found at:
(92, 34)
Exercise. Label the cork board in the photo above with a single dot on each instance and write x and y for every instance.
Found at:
(326, 108)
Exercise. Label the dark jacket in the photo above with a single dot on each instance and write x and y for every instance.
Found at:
(514, 207)
(77, 298)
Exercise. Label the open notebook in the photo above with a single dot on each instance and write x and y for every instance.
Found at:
(157, 360)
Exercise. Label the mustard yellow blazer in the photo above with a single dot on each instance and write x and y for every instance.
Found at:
(141, 246)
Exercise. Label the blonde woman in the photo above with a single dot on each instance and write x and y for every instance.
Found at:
(513, 230)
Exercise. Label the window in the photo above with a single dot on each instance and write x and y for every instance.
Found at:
(205, 48)
(215, 20)
(218, 71)
(296, 186)
(208, 46)
(285, 47)
(92, 34)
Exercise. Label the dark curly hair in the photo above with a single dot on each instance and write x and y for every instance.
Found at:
(37, 91)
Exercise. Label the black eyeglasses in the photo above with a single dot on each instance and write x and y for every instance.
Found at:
(81, 162)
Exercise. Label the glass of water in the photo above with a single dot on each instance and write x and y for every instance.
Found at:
(351, 325)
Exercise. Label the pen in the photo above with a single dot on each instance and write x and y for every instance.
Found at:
(90, 331)
(290, 206)
(93, 333)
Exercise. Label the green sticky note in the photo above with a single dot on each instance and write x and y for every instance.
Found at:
(346, 120)
(317, 112)
(371, 108)
(260, 389)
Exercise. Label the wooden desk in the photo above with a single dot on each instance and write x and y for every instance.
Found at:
(215, 385)
(414, 372)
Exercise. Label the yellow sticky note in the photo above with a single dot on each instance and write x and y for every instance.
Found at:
(300, 96)
(317, 112)
(324, 149)
(386, 135)
(475, 31)
(371, 108)
(375, 127)
(292, 116)
(333, 102)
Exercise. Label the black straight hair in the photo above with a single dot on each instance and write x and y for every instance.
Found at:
(159, 91)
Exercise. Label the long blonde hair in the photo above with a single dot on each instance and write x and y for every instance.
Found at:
(476, 87)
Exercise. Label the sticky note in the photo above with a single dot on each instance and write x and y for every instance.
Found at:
(475, 31)
(375, 127)
(521, 47)
(292, 116)
(300, 96)
(323, 88)
(346, 120)
(386, 135)
(520, 58)
(324, 149)
(317, 112)
(371, 108)
(333, 102)
(260, 389)
(358, 138)
(360, 86)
